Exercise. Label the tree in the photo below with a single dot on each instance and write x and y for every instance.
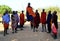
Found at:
(3, 8)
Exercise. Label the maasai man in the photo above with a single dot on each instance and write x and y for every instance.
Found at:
(43, 19)
(55, 21)
(22, 20)
(36, 21)
(49, 18)
(30, 14)
(6, 20)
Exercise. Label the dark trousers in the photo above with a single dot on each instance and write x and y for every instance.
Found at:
(55, 36)
(14, 29)
(43, 27)
(5, 31)
(21, 27)
(31, 26)
(49, 27)
(35, 28)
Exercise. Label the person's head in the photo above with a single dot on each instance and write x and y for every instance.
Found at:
(28, 4)
(36, 10)
(6, 12)
(55, 12)
(43, 10)
(49, 12)
(13, 12)
(12, 16)
(22, 11)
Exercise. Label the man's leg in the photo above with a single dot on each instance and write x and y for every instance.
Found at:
(17, 26)
(31, 26)
(21, 27)
(34, 29)
(55, 36)
(45, 27)
(42, 27)
(16, 30)
(49, 28)
(4, 31)
(13, 29)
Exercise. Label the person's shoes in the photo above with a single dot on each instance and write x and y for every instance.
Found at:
(45, 31)
(48, 32)
(42, 31)
(36, 30)
(33, 30)
(55, 37)
(13, 32)
(4, 34)
(21, 29)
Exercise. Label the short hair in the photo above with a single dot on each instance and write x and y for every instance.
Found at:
(22, 11)
(13, 12)
(55, 11)
(12, 16)
(49, 11)
(28, 3)
(36, 10)
(43, 9)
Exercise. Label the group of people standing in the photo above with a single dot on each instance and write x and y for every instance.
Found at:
(34, 18)
(14, 21)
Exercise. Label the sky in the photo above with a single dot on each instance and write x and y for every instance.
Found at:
(22, 4)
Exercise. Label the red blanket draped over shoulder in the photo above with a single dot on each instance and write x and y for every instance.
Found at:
(21, 19)
(30, 11)
(43, 17)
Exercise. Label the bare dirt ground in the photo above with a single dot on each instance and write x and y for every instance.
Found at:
(27, 34)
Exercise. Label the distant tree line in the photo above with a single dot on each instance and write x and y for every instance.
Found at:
(3, 8)
(53, 9)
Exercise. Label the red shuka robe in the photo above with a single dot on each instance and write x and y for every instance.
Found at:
(43, 17)
(21, 19)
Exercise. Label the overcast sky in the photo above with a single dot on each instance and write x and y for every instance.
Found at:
(21, 4)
